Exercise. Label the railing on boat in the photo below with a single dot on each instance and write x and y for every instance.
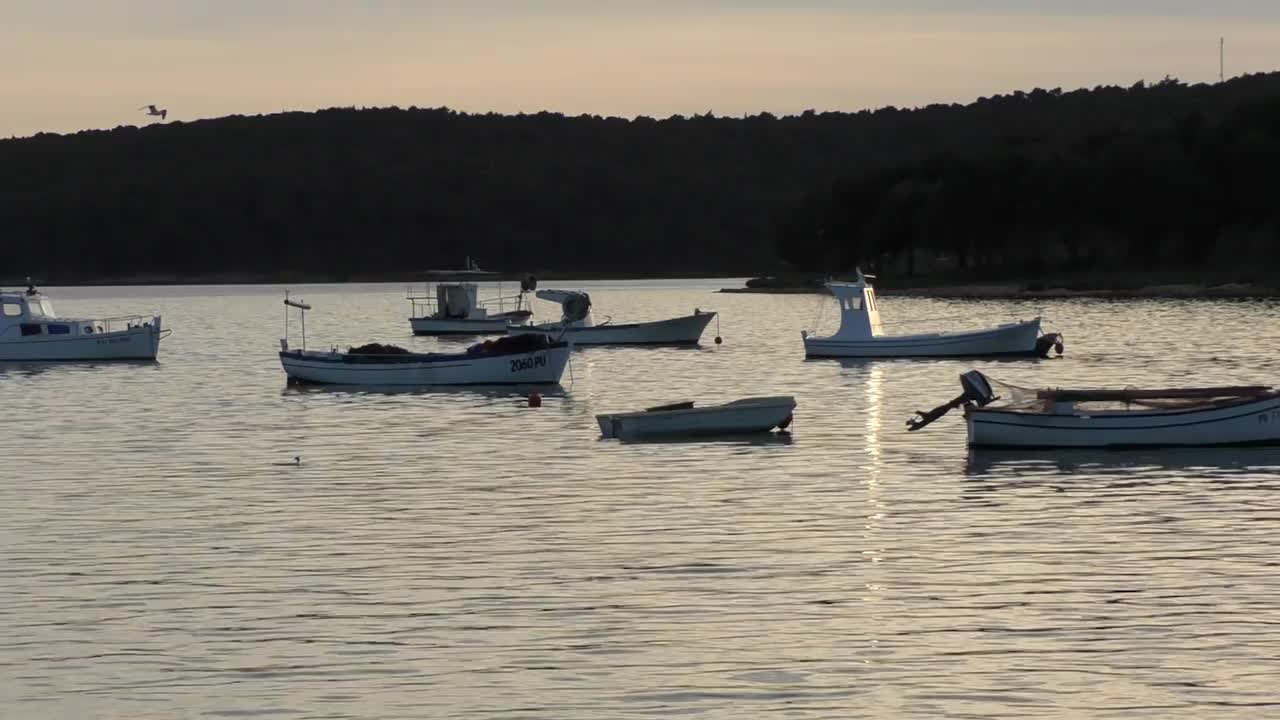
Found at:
(79, 326)
(122, 322)
(428, 305)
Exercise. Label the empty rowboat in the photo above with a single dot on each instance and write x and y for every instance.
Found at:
(749, 415)
(1112, 418)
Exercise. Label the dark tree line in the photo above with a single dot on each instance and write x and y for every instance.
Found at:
(1104, 175)
(1193, 187)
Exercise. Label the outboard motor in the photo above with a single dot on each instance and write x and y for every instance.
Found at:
(977, 390)
(575, 308)
(1047, 342)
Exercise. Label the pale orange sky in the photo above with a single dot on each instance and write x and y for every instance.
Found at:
(66, 65)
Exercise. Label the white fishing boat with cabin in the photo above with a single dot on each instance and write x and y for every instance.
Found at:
(861, 334)
(749, 415)
(578, 326)
(505, 361)
(455, 306)
(31, 330)
(1111, 418)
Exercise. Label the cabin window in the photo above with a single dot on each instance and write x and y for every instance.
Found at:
(30, 329)
(853, 303)
(40, 308)
(56, 329)
(11, 309)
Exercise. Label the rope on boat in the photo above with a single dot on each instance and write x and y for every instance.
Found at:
(823, 302)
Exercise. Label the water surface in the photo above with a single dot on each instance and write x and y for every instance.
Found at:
(458, 554)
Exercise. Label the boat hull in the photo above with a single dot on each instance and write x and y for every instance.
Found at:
(685, 330)
(141, 342)
(1009, 340)
(743, 416)
(495, 325)
(1249, 422)
(526, 367)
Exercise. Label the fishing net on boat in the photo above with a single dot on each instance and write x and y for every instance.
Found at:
(1010, 395)
(511, 343)
(377, 349)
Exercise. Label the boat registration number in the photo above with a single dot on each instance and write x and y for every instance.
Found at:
(1273, 416)
(529, 363)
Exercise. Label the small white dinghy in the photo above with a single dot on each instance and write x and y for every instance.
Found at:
(31, 330)
(750, 415)
(505, 361)
(577, 325)
(860, 333)
(1101, 418)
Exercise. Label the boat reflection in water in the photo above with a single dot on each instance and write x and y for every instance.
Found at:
(757, 439)
(486, 392)
(1208, 462)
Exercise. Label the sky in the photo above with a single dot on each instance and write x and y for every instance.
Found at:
(67, 65)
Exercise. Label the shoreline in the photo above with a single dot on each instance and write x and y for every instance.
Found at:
(162, 280)
(1020, 291)
(1123, 288)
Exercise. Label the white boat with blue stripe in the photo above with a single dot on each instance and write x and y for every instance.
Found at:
(531, 360)
(1112, 418)
(31, 331)
(861, 334)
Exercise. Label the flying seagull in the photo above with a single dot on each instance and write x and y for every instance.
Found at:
(151, 110)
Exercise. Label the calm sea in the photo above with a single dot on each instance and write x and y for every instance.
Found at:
(458, 554)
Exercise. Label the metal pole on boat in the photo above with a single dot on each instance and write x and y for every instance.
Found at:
(303, 307)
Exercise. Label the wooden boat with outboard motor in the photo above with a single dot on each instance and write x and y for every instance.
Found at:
(861, 334)
(504, 361)
(577, 325)
(31, 331)
(1003, 415)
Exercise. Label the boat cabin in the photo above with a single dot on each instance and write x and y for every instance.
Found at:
(458, 300)
(859, 314)
(28, 314)
(451, 301)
